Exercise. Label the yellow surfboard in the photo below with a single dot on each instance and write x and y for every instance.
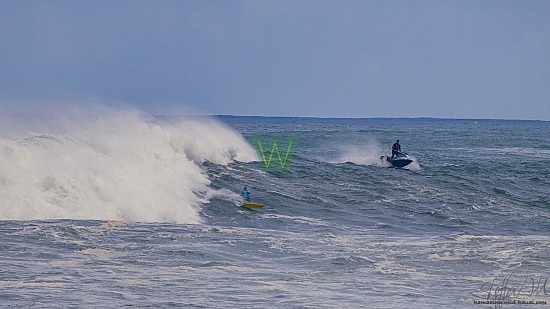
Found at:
(252, 205)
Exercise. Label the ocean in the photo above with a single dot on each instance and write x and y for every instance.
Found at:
(116, 209)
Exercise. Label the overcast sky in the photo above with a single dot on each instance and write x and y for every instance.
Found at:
(452, 59)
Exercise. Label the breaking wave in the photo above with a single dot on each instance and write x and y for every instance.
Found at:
(112, 165)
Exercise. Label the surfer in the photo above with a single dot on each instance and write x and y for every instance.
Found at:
(395, 149)
(245, 194)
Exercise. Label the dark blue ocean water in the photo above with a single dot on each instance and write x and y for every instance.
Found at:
(468, 221)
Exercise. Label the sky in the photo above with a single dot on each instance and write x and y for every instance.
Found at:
(445, 59)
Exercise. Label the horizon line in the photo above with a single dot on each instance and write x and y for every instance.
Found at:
(388, 118)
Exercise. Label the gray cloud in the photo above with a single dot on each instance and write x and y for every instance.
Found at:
(305, 58)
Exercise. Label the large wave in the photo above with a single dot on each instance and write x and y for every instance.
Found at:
(112, 165)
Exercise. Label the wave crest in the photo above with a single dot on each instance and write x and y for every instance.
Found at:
(114, 165)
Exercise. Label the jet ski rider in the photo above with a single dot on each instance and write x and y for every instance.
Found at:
(395, 149)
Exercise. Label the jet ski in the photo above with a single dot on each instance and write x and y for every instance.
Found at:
(400, 160)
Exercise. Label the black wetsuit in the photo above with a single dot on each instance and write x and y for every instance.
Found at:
(395, 149)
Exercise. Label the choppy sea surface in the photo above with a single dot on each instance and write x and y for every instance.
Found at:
(129, 210)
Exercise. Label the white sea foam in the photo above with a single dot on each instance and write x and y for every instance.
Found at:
(367, 154)
(414, 166)
(111, 165)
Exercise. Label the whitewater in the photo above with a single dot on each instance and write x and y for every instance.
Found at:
(113, 165)
(117, 208)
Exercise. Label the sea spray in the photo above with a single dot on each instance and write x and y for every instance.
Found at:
(113, 165)
(366, 154)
